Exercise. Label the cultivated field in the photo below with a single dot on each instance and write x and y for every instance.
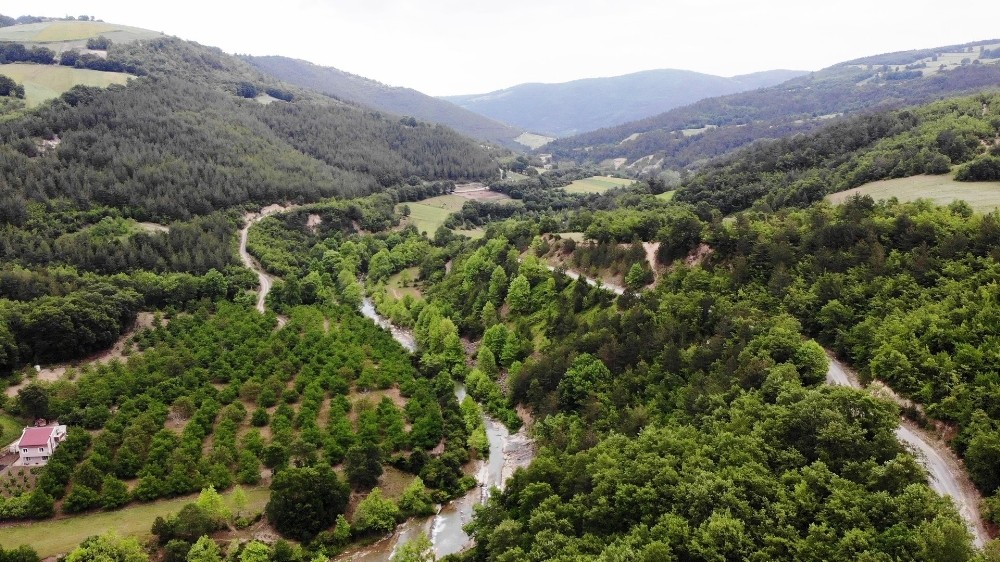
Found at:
(56, 536)
(44, 82)
(533, 141)
(53, 34)
(982, 196)
(596, 184)
(431, 213)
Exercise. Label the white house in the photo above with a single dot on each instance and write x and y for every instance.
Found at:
(37, 444)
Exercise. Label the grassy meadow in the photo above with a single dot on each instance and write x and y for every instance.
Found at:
(396, 283)
(596, 184)
(532, 140)
(56, 536)
(942, 190)
(64, 32)
(44, 82)
(429, 214)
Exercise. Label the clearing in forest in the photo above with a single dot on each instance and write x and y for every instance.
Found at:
(46, 81)
(431, 213)
(401, 284)
(596, 184)
(533, 141)
(983, 197)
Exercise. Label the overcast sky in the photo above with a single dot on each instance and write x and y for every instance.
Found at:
(444, 47)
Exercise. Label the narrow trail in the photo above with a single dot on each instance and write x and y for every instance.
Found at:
(946, 475)
(265, 280)
(613, 287)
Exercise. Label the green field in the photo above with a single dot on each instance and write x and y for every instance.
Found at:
(46, 81)
(10, 429)
(395, 284)
(596, 184)
(76, 33)
(533, 141)
(574, 236)
(431, 213)
(58, 536)
(981, 196)
(667, 195)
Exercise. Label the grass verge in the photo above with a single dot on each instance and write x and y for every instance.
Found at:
(56, 536)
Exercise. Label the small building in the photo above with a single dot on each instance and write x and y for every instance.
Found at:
(37, 444)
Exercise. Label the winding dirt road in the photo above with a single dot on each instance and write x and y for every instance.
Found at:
(266, 281)
(944, 470)
(616, 289)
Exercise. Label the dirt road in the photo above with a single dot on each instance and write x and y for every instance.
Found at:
(264, 279)
(944, 470)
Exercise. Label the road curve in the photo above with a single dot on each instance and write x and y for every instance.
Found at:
(263, 278)
(944, 471)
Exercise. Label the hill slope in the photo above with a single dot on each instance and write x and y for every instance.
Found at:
(178, 141)
(401, 101)
(584, 105)
(798, 170)
(687, 135)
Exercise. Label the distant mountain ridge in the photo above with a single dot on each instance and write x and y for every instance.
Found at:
(401, 101)
(592, 103)
(688, 136)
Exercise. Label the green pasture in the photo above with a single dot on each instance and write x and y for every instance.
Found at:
(942, 190)
(56, 536)
(59, 32)
(46, 81)
(596, 184)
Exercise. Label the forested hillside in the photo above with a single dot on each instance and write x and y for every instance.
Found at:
(682, 416)
(183, 144)
(686, 136)
(400, 101)
(800, 170)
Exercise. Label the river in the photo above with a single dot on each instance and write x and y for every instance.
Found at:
(507, 453)
(945, 475)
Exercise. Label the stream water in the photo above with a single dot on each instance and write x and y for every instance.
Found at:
(507, 453)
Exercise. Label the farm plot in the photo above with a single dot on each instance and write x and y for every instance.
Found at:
(596, 184)
(942, 190)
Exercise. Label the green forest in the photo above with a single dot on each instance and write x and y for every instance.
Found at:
(654, 363)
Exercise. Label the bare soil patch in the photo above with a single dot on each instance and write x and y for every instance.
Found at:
(698, 255)
(153, 227)
(313, 221)
(478, 192)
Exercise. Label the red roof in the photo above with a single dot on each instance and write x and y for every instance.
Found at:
(36, 436)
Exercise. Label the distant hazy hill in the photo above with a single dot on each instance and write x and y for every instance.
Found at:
(401, 101)
(687, 136)
(584, 105)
